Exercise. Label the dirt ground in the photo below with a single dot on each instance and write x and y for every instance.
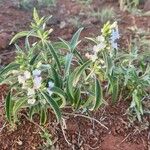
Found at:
(122, 134)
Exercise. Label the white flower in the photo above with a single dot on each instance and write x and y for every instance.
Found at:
(114, 25)
(31, 101)
(101, 61)
(93, 57)
(50, 86)
(100, 39)
(21, 79)
(88, 55)
(36, 72)
(99, 47)
(24, 85)
(31, 92)
(37, 82)
(27, 75)
(96, 48)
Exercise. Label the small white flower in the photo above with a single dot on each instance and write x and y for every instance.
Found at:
(88, 55)
(31, 101)
(21, 79)
(37, 82)
(93, 57)
(96, 48)
(100, 39)
(50, 86)
(24, 85)
(36, 72)
(99, 47)
(114, 25)
(101, 61)
(27, 75)
(31, 92)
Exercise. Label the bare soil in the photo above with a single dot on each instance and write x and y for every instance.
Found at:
(123, 133)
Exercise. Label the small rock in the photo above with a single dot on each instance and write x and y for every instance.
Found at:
(53, 21)
(19, 142)
(4, 40)
(62, 24)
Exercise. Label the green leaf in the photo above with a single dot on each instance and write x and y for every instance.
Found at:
(54, 54)
(60, 45)
(91, 39)
(114, 87)
(31, 112)
(35, 15)
(53, 105)
(17, 106)
(98, 95)
(33, 59)
(74, 41)
(78, 55)
(68, 61)
(60, 93)
(56, 77)
(10, 67)
(77, 98)
(89, 102)
(8, 107)
(78, 72)
(115, 91)
(137, 99)
(66, 44)
(69, 90)
(43, 116)
(18, 36)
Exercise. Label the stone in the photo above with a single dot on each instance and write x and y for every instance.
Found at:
(4, 40)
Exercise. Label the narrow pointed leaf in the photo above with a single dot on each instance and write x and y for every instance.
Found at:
(66, 44)
(56, 77)
(98, 95)
(79, 72)
(17, 106)
(43, 116)
(68, 63)
(54, 54)
(8, 68)
(60, 93)
(53, 105)
(8, 107)
(74, 41)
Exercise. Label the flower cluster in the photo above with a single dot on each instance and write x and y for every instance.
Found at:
(30, 83)
(37, 78)
(33, 82)
(114, 36)
(107, 40)
(101, 45)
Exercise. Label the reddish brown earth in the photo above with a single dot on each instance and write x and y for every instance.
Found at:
(123, 133)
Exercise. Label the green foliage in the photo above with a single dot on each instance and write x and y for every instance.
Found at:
(128, 72)
(28, 4)
(129, 5)
(43, 78)
(104, 15)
